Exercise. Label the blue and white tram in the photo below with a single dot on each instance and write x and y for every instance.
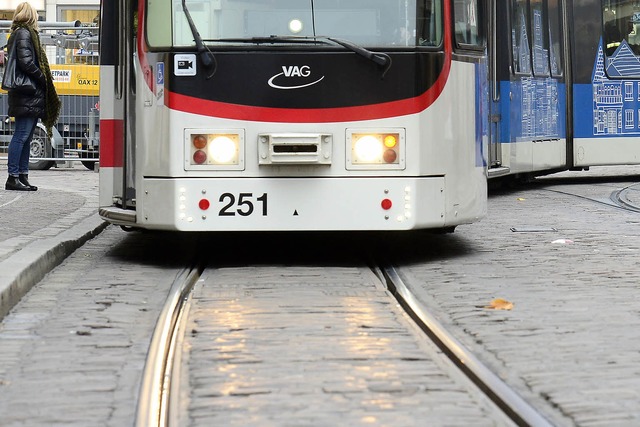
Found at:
(565, 85)
(226, 115)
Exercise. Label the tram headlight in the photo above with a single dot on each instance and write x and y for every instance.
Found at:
(223, 150)
(375, 150)
(214, 150)
(367, 149)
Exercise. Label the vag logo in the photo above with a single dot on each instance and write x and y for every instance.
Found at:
(293, 71)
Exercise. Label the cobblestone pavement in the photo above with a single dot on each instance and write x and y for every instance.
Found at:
(316, 346)
(40, 228)
(571, 343)
(65, 195)
(73, 350)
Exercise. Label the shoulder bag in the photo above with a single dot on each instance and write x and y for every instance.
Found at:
(14, 79)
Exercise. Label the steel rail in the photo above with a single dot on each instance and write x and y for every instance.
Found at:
(620, 198)
(617, 199)
(153, 398)
(516, 408)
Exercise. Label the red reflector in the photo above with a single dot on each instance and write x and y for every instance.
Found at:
(386, 204)
(390, 156)
(204, 204)
(199, 157)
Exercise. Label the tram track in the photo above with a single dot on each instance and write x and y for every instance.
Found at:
(516, 408)
(617, 199)
(161, 382)
(620, 198)
(154, 402)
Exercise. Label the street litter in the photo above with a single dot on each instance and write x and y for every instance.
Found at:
(562, 241)
(500, 304)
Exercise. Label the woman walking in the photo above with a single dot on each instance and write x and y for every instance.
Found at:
(38, 100)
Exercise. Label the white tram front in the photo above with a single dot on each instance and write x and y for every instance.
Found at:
(292, 115)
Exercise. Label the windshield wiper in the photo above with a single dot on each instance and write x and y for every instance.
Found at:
(269, 39)
(381, 59)
(206, 56)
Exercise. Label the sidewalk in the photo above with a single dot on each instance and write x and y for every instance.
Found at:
(41, 228)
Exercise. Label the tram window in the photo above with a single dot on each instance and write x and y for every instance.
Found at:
(392, 23)
(621, 38)
(555, 38)
(612, 32)
(520, 38)
(467, 23)
(429, 22)
(159, 12)
(540, 45)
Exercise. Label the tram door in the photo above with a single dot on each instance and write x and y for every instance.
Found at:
(527, 117)
(129, 74)
(495, 151)
(117, 95)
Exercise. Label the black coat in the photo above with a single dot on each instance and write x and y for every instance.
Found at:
(21, 104)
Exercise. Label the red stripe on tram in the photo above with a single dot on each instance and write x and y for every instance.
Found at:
(111, 143)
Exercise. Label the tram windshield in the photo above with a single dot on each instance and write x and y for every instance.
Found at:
(372, 23)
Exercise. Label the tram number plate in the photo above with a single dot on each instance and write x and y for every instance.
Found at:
(243, 204)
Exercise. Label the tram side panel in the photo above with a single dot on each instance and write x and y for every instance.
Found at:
(459, 119)
(606, 69)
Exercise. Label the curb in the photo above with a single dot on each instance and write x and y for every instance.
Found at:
(25, 268)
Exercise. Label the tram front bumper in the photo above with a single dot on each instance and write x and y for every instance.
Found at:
(292, 204)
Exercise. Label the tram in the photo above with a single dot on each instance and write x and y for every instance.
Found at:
(564, 79)
(227, 115)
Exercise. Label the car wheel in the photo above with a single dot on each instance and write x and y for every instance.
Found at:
(89, 165)
(40, 148)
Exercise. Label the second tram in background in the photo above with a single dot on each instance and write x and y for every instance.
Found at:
(565, 85)
(292, 115)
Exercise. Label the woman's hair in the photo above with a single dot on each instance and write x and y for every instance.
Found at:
(27, 14)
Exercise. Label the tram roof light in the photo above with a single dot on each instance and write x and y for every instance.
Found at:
(295, 26)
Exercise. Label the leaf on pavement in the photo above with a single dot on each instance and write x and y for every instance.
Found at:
(500, 304)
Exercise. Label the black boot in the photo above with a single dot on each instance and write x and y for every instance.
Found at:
(13, 183)
(24, 178)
